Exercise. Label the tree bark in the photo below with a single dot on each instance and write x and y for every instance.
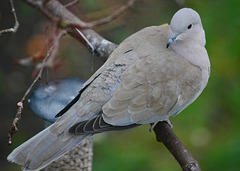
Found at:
(165, 134)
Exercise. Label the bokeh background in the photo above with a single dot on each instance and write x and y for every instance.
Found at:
(209, 127)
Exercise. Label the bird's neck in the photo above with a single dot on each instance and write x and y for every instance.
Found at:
(194, 50)
(197, 55)
(192, 54)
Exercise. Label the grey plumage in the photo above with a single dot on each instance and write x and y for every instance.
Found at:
(141, 82)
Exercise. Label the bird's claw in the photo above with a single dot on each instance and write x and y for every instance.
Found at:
(152, 125)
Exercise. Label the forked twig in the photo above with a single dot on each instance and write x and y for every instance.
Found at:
(15, 27)
(105, 20)
(18, 115)
(116, 14)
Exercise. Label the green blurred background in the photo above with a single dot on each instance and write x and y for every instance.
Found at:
(209, 127)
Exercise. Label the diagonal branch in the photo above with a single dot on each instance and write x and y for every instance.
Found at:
(185, 159)
(116, 14)
(70, 4)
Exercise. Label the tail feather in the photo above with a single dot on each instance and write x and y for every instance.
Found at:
(42, 149)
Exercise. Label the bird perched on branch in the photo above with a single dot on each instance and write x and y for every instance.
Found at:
(152, 75)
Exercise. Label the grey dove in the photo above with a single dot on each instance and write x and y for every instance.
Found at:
(152, 75)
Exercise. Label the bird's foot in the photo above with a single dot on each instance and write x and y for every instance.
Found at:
(152, 125)
(169, 123)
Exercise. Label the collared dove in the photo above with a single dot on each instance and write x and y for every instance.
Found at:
(152, 75)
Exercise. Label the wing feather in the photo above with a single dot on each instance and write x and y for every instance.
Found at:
(163, 77)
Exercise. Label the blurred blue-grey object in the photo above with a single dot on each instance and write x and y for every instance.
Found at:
(50, 98)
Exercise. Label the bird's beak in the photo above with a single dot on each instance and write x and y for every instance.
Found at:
(171, 40)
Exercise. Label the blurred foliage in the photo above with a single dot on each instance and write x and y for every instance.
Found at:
(209, 127)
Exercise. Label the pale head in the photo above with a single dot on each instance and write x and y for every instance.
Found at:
(188, 38)
(186, 26)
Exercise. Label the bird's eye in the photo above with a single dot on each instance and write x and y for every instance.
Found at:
(190, 26)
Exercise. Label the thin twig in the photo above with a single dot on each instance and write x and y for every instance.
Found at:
(86, 40)
(105, 20)
(18, 115)
(116, 14)
(70, 4)
(15, 27)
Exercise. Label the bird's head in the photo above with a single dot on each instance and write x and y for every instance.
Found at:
(186, 26)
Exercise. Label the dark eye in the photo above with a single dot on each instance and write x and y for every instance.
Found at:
(190, 26)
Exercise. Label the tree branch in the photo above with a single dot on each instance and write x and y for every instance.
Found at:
(15, 27)
(70, 4)
(57, 12)
(165, 135)
(113, 16)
